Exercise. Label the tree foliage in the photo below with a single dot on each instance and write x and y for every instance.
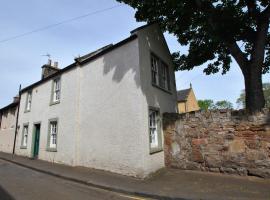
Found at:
(216, 31)
(266, 90)
(224, 104)
(208, 104)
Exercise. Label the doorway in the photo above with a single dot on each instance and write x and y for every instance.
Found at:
(36, 138)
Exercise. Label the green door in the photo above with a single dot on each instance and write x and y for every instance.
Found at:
(36, 140)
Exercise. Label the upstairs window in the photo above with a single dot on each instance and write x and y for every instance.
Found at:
(160, 73)
(154, 67)
(56, 90)
(28, 101)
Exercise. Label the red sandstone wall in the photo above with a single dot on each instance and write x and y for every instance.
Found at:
(218, 141)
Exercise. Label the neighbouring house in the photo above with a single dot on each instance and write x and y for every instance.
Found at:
(187, 101)
(103, 111)
(8, 117)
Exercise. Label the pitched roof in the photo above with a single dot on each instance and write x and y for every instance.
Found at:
(83, 60)
(182, 95)
(89, 55)
(12, 105)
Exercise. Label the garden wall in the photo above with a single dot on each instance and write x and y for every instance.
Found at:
(218, 141)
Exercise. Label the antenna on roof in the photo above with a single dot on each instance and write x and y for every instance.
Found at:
(47, 55)
(190, 85)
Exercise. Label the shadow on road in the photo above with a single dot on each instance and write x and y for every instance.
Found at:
(4, 195)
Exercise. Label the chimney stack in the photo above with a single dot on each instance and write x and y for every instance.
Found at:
(49, 69)
(16, 99)
(49, 62)
(55, 64)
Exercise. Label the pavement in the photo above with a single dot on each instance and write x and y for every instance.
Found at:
(168, 184)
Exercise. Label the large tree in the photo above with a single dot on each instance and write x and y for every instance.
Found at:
(266, 90)
(215, 32)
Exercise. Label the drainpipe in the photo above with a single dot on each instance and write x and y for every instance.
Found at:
(17, 118)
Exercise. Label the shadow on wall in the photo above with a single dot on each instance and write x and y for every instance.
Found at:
(127, 62)
(4, 195)
(121, 65)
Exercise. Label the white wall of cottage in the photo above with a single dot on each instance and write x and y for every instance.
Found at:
(103, 112)
(7, 130)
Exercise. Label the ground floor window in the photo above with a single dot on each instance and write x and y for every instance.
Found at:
(25, 136)
(154, 130)
(52, 136)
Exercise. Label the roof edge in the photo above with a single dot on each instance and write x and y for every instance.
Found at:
(142, 27)
(77, 63)
(14, 104)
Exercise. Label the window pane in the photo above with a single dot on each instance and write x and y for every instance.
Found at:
(56, 90)
(154, 67)
(25, 135)
(153, 128)
(29, 100)
(53, 134)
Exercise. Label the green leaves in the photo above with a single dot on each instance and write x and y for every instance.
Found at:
(209, 104)
(206, 26)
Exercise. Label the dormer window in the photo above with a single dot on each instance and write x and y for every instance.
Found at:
(56, 90)
(28, 101)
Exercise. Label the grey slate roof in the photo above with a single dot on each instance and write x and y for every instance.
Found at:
(182, 95)
(89, 55)
(83, 60)
(12, 105)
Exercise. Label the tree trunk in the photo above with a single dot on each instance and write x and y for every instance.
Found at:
(254, 89)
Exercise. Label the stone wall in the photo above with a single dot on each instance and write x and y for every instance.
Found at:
(218, 141)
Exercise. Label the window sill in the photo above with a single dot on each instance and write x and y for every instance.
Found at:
(164, 90)
(155, 150)
(54, 103)
(23, 147)
(51, 149)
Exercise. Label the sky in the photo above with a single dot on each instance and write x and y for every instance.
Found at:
(107, 22)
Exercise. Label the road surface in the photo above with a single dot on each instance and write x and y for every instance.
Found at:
(19, 183)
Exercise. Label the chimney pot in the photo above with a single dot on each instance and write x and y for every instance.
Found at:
(49, 62)
(55, 64)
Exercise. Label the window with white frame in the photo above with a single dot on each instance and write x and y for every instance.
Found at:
(53, 127)
(154, 67)
(28, 101)
(25, 136)
(56, 91)
(154, 130)
(160, 73)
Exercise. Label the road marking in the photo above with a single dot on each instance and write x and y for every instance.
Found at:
(132, 197)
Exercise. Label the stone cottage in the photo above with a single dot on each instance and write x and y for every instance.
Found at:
(103, 111)
(187, 101)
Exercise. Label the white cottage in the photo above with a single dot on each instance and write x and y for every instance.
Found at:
(103, 111)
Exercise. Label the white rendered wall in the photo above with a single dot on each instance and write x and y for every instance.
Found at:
(7, 131)
(103, 113)
(42, 111)
(111, 110)
(151, 39)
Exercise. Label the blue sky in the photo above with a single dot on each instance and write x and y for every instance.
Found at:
(21, 58)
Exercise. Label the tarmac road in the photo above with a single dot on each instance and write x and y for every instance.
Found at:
(24, 184)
